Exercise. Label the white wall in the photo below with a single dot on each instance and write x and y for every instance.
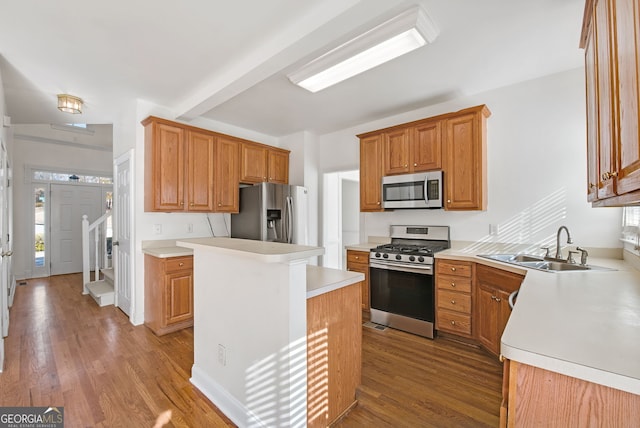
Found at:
(536, 168)
(31, 148)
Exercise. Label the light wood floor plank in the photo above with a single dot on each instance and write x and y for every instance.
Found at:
(64, 350)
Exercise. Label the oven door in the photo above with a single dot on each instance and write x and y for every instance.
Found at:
(403, 290)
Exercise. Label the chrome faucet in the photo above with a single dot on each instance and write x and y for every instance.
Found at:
(569, 241)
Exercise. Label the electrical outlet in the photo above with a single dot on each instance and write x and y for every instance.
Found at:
(157, 229)
(190, 228)
(222, 355)
(494, 229)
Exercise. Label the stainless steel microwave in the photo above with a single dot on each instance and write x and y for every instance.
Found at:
(420, 190)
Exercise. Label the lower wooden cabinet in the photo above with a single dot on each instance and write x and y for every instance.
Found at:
(358, 261)
(491, 309)
(168, 293)
(454, 297)
(537, 397)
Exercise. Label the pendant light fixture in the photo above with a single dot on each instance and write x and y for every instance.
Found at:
(397, 36)
(69, 104)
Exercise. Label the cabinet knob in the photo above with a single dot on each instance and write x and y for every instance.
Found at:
(378, 202)
(357, 257)
(181, 264)
(448, 201)
(498, 299)
(453, 284)
(405, 165)
(453, 269)
(493, 297)
(182, 203)
(453, 302)
(415, 164)
(453, 323)
(219, 205)
(191, 204)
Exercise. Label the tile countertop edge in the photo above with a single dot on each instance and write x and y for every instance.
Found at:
(534, 280)
(321, 280)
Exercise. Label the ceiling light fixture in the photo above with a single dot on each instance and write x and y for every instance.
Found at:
(395, 37)
(69, 104)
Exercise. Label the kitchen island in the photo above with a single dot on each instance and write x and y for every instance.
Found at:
(572, 345)
(256, 343)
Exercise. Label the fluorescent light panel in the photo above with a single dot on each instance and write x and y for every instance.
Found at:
(391, 39)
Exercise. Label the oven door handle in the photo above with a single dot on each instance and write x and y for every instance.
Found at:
(421, 269)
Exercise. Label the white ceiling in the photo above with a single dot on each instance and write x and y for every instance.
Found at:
(228, 60)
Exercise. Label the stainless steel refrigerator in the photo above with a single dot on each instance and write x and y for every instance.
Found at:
(272, 212)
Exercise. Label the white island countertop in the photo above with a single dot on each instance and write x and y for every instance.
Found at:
(321, 280)
(580, 324)
(268, 252)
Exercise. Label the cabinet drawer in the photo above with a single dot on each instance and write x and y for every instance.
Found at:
(358, 257)
(454, 322)
(452, 267)
(453, 283)
(454, 301)
(173, 264)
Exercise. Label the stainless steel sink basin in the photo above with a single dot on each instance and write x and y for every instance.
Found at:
(541, 263)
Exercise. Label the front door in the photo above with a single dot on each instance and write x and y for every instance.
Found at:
(123, 220)
(69, 202)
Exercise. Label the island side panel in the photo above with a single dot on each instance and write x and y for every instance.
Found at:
(334, 358)
(257, 312)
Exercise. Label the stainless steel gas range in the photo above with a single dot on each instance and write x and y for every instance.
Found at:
(402, 281)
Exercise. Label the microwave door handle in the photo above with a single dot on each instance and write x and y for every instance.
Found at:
(426, 192)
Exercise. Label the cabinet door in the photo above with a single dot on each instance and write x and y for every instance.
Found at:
(168, 167)
(278, 167)
(371, 173)
(592, 119)
(358, 261)
(396, 152)
(179, 296)
(254, 163)
(227, 175)
(465, 163)
(627, 36)
(426, 150)
(606, 124)
(200, 156)
(487, 313)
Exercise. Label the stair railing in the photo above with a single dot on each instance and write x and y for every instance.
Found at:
(86, 254)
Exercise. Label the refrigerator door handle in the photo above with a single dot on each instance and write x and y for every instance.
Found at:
(289, 224)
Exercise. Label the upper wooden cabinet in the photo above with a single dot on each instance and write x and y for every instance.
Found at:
(263, 163)
(453, 142)
(371, 173)
(611, 41)
(413, 149)
(227, 175)
(189, 169)
(465, 160)
(178, 168)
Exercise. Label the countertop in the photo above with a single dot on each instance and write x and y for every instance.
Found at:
(581, 324)
(266, 252)
(166, 252)
(321, 280)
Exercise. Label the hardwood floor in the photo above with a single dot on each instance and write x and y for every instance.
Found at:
(410, 381)
(64, 350)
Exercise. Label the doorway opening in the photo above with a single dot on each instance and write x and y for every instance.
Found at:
(341, 215)
(58, 201)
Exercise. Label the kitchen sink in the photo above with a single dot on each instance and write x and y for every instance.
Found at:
(541, 263)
